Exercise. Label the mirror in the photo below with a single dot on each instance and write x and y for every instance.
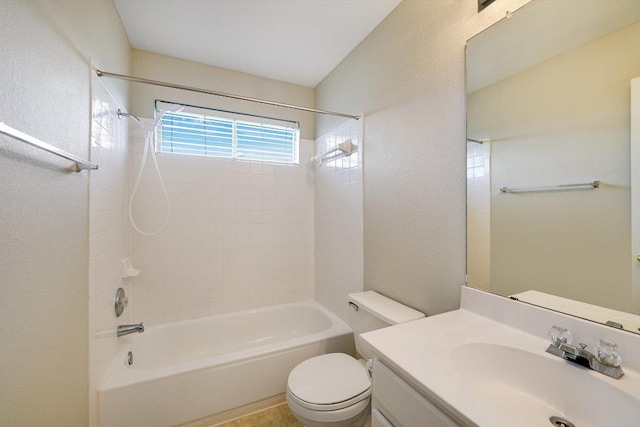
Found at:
(549, 170)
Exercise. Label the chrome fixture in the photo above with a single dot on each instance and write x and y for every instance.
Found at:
(606, 362)
(122, 114)
(479, 141)
(101, 73)
(130, 329)
(130, 358)
(614, 324)
(561, 422)
(120, 302)
(80, 164)
(593, 184)
(354, 306)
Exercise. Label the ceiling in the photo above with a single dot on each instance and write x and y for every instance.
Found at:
(295, 41)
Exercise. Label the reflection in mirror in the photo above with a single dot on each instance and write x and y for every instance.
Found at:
(548, 100)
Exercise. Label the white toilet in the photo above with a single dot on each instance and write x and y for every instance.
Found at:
(333, 390)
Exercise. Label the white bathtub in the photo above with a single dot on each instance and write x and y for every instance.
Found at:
(187, 370)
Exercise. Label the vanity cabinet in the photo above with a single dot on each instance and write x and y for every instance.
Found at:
(395, 403)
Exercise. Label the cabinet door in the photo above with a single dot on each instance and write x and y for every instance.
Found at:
(401, 405)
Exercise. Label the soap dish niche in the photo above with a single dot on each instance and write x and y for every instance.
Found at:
(128, 270)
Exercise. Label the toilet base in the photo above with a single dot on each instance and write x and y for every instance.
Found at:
(357, 415)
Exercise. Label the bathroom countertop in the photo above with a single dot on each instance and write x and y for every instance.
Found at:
(423, 353)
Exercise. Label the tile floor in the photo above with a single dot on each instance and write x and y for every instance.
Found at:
(276, 416)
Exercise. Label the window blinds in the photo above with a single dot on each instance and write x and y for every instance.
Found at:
(199, 134)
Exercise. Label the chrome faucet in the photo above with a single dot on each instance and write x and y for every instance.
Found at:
(130, 329)
(607, 361)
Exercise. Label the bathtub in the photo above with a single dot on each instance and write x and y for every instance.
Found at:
(191, 369)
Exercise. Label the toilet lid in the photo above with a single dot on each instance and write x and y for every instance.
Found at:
(328, 379)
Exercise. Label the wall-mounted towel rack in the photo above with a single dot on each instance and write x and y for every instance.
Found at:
(80, 164)
(593, 184)
(345, 148)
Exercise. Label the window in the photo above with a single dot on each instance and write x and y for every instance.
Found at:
(226, 135)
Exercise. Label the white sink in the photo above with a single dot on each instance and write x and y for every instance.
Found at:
(530, 388)
(485, 373)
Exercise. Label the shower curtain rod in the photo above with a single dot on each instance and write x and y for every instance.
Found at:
(101, 73)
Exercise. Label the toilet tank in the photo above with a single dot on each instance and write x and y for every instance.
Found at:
(375, 311)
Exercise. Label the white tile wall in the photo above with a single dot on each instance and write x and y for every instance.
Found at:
(108, 229)
(240, 235)
(478, 215)
(338, 222)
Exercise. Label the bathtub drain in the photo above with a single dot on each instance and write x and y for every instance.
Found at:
(560, 422)
(130, 358)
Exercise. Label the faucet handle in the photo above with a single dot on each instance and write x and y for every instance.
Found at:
(608, 353)
(560, 335)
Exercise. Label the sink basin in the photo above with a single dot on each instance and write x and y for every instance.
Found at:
(529, 388)
(485, 365)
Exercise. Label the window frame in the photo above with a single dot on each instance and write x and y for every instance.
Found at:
(235, 117)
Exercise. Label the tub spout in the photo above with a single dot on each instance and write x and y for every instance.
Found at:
(130, 329)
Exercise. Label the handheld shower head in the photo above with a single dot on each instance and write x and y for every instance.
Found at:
(152, 126)
(161, 113)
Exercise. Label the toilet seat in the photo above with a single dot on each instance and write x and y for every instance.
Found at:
(329, 407)
(329, 382)
(339, 417)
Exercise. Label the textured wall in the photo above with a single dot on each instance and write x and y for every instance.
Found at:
(407, 77)
(44, 75)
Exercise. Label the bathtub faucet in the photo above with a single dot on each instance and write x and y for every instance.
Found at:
(130, 329)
